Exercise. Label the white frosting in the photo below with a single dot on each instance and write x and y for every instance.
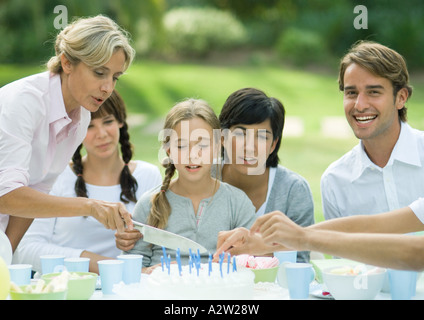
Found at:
(205, 286)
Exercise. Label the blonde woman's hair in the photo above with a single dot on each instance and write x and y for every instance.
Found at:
(185, 110)
(92, 41)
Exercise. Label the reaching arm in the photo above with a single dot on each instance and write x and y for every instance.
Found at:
(25, 202)
(386, 250)
(398, 221)
(241, 241)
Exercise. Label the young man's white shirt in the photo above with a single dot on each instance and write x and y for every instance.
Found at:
(354, 185)
(418, 207)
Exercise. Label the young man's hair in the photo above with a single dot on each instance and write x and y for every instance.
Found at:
(380, 61)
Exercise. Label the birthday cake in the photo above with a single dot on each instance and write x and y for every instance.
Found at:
(211, 281)
(204, 281)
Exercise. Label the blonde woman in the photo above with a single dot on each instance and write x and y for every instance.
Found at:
(106, 172)
(194, 205)
(44, 118)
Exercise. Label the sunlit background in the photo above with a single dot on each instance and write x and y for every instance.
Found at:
(209, 48)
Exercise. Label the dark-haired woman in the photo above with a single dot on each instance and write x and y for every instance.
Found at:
(254, 125)
(106, 173)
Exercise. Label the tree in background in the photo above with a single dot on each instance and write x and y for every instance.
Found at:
(26, 27)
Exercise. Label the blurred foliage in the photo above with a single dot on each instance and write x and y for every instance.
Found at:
(27, 32)
(397, 24)
(301, 46)
(194, 32)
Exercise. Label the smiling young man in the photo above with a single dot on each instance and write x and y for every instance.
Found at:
(385, 170)
(382, 174)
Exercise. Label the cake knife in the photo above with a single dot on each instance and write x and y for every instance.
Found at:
(167, 239)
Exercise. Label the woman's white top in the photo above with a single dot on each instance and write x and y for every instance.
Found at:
(37, 136)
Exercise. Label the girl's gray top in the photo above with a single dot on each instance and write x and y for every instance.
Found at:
(290, 193)
(227, 209)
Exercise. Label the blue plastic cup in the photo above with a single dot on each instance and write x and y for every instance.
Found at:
(402, 284)
(110, 274)
(52, 263)
(286, 256)
(299, 277)
(132, 267)
(20, 274)
(77, 264)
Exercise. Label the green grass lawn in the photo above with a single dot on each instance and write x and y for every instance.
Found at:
(150, 89)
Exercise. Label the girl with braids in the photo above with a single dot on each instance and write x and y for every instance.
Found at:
(44, 118)
(104, 173)
(194, 205)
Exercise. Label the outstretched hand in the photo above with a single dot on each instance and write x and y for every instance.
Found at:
(232, 241)
(271, 232)
(276, 229)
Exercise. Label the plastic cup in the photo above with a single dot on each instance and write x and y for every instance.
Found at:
(284, 257)
(132, 267)
(110, 274)
(20, 274)
(299, 277)
(52, 263)
(77, 264)
(402, 284)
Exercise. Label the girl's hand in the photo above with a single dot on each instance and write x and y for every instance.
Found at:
(126, 240)
(149, 270)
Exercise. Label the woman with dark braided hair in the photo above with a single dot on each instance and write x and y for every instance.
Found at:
(105, 173)
(113, 107)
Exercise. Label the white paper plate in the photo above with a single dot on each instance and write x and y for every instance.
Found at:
(5, 248)
(320, 291)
